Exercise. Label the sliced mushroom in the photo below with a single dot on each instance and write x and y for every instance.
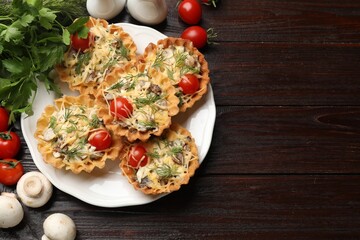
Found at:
(161, 104)
(11, 212)
(49, 134)
(155, 89)
(34, 189)
(144, 182)
(59, 226)
(178, 158)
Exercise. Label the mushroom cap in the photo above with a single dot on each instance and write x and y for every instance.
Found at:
(34, 189)
(59, 226)
(44, 237)
(11, 212)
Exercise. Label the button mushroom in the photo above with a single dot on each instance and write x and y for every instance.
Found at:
(11, 212)
(34, 189)
(59, 226)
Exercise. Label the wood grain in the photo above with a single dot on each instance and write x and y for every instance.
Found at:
(285, 74)
(284, 160)
(285, 140)
(218, 207)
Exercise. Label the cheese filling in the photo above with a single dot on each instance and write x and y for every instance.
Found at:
(176, 61)
(93, 64)
(147, 98)
(68, 132)
(170, 159)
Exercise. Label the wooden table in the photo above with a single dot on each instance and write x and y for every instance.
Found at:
(284, 162)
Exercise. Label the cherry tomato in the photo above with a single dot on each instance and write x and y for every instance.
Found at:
(81, 43)
(100, 139)
(9, 144)
(10, 171)
(137, 156)
(189, 84)
(4, 119)
(121, 108)
(190, 11)
(197, 35)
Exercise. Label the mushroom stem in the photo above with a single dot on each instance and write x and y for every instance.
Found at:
(33, 186)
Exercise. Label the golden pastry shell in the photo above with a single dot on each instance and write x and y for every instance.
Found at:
(44, 147)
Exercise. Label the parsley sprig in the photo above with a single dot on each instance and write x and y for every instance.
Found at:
(32, 41)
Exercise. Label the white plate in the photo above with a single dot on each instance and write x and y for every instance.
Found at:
(108, 187)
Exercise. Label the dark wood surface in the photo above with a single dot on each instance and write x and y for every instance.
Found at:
(284, 162)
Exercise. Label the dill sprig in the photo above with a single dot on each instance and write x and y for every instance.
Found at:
(72, 152)
(84, 59)
(148, 124)
(180, 58)
(159, 60)
(148, 100)
(154, 154)
(124, 52)
(95, 122)
(67, 113)
(175, 150)
(165, 171)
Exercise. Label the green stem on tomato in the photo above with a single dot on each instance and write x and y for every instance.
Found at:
(211, 35)
(5, 135)
(12, 164)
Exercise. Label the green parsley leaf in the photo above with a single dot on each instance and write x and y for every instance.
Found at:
(47, 14)
(12, 65)
(66, 36)
(26, 20)
(35, 3)
(12, 33)
(28, 52)
(78, 24)
(83, 32)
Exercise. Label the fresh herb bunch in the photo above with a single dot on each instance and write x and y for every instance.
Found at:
(32, 41)
(66, 10)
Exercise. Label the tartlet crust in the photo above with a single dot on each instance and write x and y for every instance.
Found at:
(129, 131)
(174, 183)
(46, 148)
(68, 73)
(149, 58)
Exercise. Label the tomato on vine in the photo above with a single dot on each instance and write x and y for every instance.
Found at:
(190, 11)
(121, 108)
(9, 144)
(100, 139)
(189, 84)
(10, 171)
(199, 36)
(137, 156)
(4, 119)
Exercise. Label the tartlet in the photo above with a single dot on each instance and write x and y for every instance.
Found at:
(111, 47)
(175, 57)
(151, 98)
(63, 132)
(168, 163)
